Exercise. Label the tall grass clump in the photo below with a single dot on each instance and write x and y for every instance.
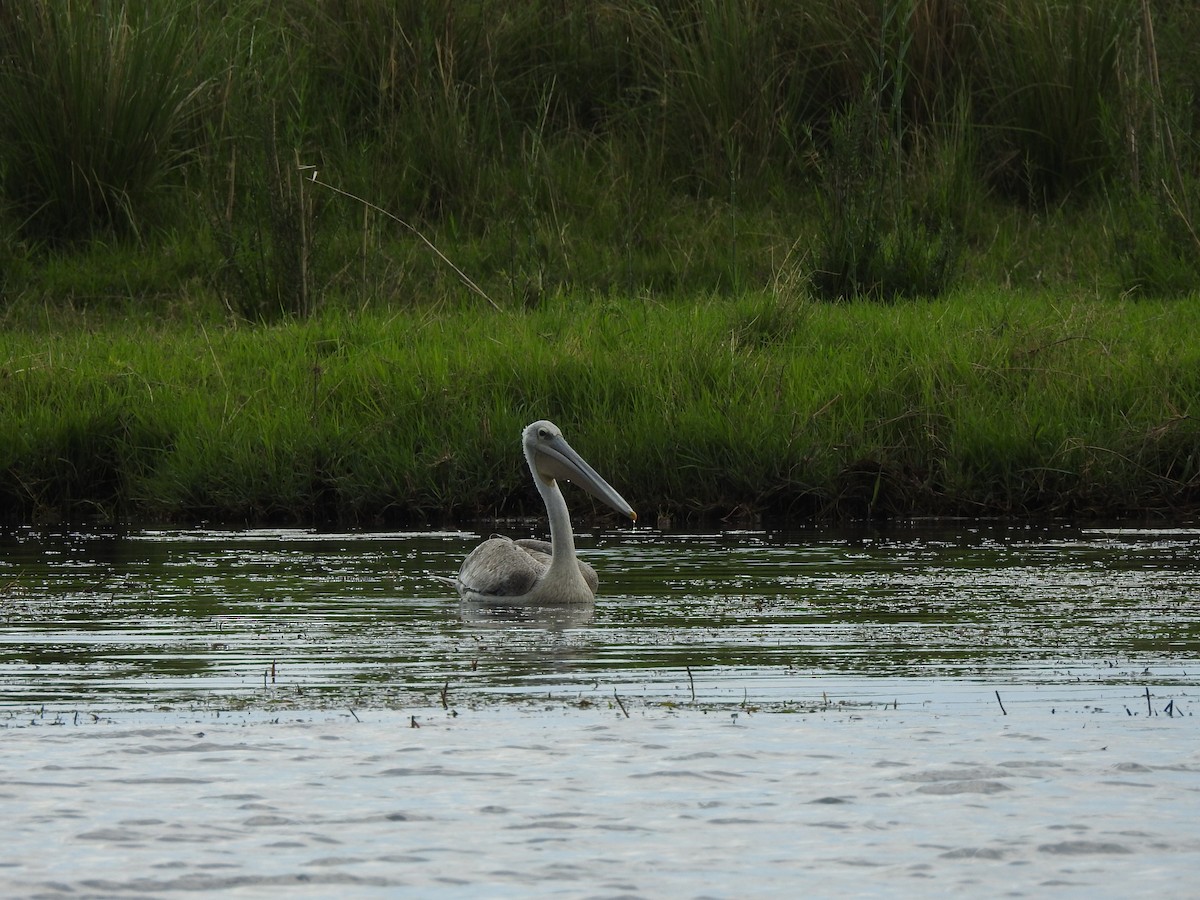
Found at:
(872, 241)
(263, 212)
(716, 70)
(410, 93)
(266, 231)
(95, 106)
(1156, 205)
(1047, 91)
(1157, 238)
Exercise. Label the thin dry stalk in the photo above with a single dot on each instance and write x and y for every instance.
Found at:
(466, 279)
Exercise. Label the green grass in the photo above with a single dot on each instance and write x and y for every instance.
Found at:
(1049, 79)
(654, 197)
(565, 140)
(984, 404)
(94, 110)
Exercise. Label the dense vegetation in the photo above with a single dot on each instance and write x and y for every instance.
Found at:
(320, 259)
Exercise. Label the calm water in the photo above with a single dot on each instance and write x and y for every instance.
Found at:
(979, 709)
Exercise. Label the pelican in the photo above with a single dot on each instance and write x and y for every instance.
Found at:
(536, 572)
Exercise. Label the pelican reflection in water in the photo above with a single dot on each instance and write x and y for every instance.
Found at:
(536, 572)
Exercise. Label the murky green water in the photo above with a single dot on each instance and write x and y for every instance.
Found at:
(975, 711)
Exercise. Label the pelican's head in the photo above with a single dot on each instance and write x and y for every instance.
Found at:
(552, 459)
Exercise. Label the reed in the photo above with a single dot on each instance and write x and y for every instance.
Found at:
(1049, 80)
(96, 101)
(718, 72)
(1157, 218)
(683, 146)
(266, 235)
(871, 242)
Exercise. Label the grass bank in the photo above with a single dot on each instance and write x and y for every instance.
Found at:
(984, 403)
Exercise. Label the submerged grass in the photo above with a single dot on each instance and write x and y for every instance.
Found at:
(987, 404)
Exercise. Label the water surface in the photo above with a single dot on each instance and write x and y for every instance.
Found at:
(308, 619)
(982, 710)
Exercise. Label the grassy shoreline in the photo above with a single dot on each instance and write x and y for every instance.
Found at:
(984, 403)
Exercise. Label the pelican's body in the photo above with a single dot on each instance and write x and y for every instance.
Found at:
(528, 571)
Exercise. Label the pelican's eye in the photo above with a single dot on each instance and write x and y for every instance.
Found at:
(544, 434)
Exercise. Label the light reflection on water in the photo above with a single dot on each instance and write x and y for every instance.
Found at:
(978, 712)
(305, 619)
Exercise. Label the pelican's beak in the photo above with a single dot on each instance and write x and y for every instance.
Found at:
(556, 459)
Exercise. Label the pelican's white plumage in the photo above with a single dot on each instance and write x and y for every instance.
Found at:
(527, 571)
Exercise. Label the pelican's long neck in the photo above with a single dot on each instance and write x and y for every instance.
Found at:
(563, 561)
(563, 578)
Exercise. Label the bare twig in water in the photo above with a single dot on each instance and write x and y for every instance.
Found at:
(617, 697)
(1149, 708)
(691, 682)
(1001, 702)
(463, 277)
(353, 713)
(445, 692)
(412, 722)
